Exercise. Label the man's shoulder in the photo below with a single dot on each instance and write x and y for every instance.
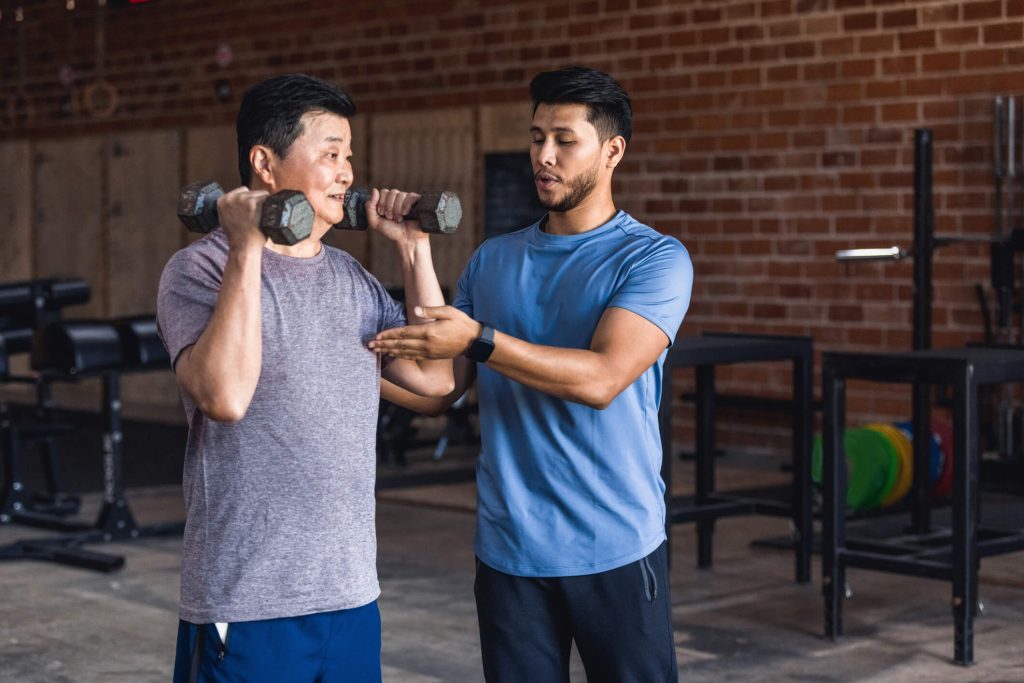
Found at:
(651, 242)
(211, 250)
(343, 262)
(340, 256)
(634, 228)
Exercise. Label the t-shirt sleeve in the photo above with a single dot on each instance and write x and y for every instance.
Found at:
(391, 313)
(463, 301)
(185, 300)
(658, 287)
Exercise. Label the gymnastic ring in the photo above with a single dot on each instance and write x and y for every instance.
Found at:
(19, 104)
(99, 99)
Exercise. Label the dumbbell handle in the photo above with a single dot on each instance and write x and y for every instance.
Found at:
(285, 217)
(437, 212)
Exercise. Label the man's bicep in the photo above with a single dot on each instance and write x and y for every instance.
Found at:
(394, 387)
(185, 371)
(629, 342)
(402, 373)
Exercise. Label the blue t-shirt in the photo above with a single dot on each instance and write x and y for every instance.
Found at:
(563, 489)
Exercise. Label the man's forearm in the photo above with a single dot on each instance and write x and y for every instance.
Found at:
(420, 279)
(422, 289)
(578, 375)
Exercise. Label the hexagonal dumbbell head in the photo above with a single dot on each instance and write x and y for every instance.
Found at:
(437, 212)
(286, 217)
(197, 206)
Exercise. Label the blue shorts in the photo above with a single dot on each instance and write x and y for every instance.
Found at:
(329, 646)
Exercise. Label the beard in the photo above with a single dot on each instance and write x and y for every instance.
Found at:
(577, 189)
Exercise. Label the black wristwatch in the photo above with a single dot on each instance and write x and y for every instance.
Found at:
(481, 348)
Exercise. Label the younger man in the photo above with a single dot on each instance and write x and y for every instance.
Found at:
(566, 324)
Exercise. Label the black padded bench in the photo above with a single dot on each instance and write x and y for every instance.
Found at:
(71, 351)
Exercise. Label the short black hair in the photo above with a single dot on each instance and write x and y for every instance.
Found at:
(609, 109)
(271, 113)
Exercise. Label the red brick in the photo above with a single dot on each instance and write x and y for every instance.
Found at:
(748, 32)
(859, 114)
(782, 73)
(785, 29)
(960, 35)
(845, 313)
(704, 15)
(923, 87)
(898, 66)
(838, 46)
(887, 89)
(983, 9)
(944, 13)
(983, 59)
(917, 40)
(943, 61)
(824, 71)
(882, 42)
(902, 18)
(799, 50)
(865, 21)
(824, 24)
(1003, 33)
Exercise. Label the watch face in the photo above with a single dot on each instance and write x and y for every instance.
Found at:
(480, 350)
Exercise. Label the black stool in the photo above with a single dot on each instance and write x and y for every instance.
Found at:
(703, 354)
(957, 559)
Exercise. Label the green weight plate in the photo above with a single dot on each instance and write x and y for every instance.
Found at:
(891, 455)
(865, 473)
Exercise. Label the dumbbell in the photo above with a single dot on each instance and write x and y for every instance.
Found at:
(437, 212)
(286, 216)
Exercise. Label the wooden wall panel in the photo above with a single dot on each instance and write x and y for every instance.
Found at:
(211, 154)
(16, 211)
(143, 227)
(355, 242)
(68, 216)
(505, 127)
(144, 233)
(433, 150)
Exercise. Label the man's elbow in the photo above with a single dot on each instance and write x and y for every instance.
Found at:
(441, 388)
(223, 408)
(433, 408)
(598, 394)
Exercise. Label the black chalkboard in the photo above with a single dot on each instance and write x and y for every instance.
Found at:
(511, 199)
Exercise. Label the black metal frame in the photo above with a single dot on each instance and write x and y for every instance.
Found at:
(953, 557)
(704, 354)
(114, 522)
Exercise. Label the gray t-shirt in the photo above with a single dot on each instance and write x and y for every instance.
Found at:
(280, 505)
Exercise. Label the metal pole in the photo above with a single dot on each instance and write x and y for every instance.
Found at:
(924, 245)
(924, 238)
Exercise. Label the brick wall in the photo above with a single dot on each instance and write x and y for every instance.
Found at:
(769, 133)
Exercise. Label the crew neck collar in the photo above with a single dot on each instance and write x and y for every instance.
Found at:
(549, 238)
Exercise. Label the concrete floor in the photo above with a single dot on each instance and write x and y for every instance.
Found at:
(743, 620)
